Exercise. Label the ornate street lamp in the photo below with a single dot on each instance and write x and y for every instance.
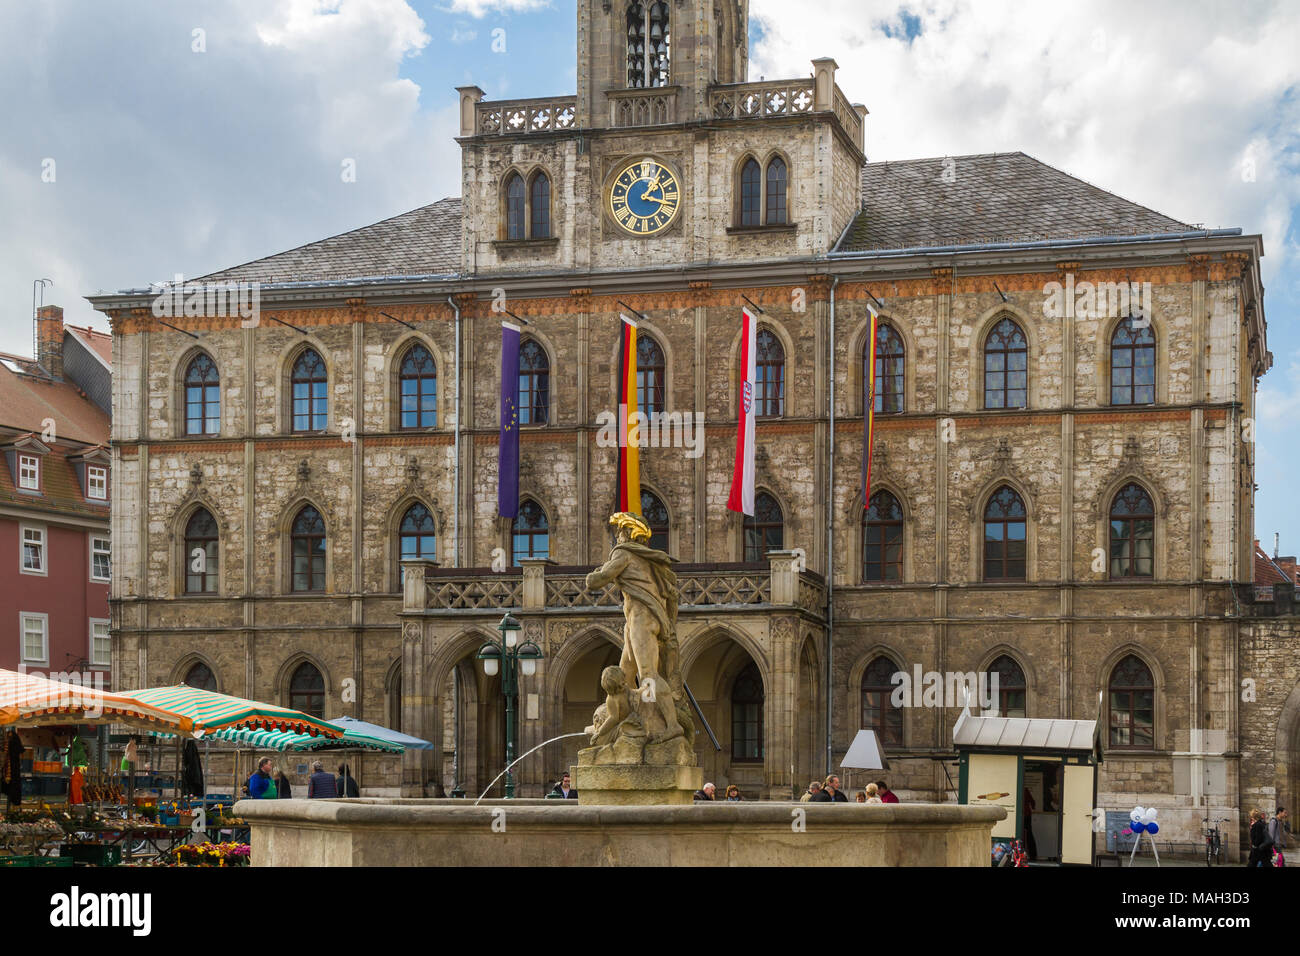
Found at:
(509, 657)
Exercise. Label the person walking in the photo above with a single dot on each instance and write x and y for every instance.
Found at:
(1277, 828)
(1260, 845)
(811, 793)
(346, 783)
(261, 785)
(886, 795)
(564, 789)
(320, 784)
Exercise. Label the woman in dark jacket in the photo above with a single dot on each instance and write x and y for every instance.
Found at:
(346, 784)
(283, 785)
(1261, 847)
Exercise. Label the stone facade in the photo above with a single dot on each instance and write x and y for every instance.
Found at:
(390, 654)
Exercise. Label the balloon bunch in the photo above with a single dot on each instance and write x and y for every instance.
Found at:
(1144, 820)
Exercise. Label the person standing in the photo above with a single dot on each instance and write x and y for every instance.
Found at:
(831, 792)
(285, 792)
(811, 793)
(733, 793)
(705, 792)
(886, 795)
(565, 788)
(261, 786)
(1260, 844)
(320, 785)
(873, 794)
(346, 783)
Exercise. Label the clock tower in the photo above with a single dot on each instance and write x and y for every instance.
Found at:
(665, 155)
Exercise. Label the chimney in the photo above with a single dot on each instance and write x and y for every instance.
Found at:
(49, 340)
(1275, 542)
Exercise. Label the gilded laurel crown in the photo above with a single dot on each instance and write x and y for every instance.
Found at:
(636, 528)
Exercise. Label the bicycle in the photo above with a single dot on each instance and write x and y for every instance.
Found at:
(1213, 840)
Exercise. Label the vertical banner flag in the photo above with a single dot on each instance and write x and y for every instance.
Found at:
(508, 443)
(742, 476)
(629, 422)
(869, 413)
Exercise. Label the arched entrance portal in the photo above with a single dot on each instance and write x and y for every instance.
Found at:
(732, 692)
(808, 722)
(579, 664)
(473, 731)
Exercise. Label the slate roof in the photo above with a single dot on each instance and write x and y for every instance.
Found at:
(424, 241)
(101, 343)
(993, 197)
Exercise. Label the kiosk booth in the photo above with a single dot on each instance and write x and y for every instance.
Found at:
(1043, 771)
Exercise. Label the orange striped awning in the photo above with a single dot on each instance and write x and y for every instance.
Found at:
(27, 700)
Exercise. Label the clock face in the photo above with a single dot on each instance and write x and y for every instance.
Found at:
(645, 197)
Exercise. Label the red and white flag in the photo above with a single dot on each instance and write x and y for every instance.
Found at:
(742, 478)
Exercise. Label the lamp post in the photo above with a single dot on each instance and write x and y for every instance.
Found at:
(510, 657)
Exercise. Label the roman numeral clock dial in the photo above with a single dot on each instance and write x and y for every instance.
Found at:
(645, 197)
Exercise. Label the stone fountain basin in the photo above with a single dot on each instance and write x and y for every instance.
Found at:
(447, 832)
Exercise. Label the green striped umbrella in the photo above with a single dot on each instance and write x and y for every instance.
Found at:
(211, 711)
(280, 741)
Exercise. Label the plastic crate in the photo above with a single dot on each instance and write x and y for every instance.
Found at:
(15, 861)
(92, 854)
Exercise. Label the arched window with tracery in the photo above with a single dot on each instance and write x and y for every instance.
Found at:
(765, 530)
(650, 375)
(1132, 533)
(202, 397)
(1005, 527)
(202, 541)
(751, 193)
(534, 383)
(200, 677)
(310, 384)
(890, 369)
(747, 715)
(417, 536)
(777, 214)
(1133, 363)
(655, 513)
(769, 375)
(1132, 692)
(307, 541)
(530, 533)
(882, 539)
(516, 207)
(539, 207)
(1006, 367)
(307, 690)
(649, 43)
(1011, 687)
(878, 710)
(418, 387)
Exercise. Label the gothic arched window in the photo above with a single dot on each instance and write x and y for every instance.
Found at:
(650, 375)
(889, 369)
(308, 550)
(1132, 704)
(1132, 533)
(649, 47)
(1004, 536)
(516, 207)
(202, 397)
(878, 711)
(534, 383)
(418, 386)
(530, 534)
(765, 531)
(751, 193)
(747, 715)
(201, 542)
(307, 690)
(1133, 364)
(882, 539)
(1011, 687)
(776, 192)
(539, 207)
(769, 374)
(1006, 367)
(310, 383)
(200, 677)
(417, 535)
(655, 514)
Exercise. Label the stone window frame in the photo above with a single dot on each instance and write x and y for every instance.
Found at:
(1102, 507)
(552, 397)
(394, 353)
(854, 519)
(284, 533)
(284, 677)
(742, 519)
(855, 398)
(976, 515)
(853, 690)
(765, 323)
(396, 515)
(731, 718)
(527, 174)
(674, 541)
(1159, 717)
(662, 340)
(1160, 329)
(744, 648)
(285, 406)
(180, 370)
(877, 489)
(183, 665)
(764, 162)
(508, 528)
(980, 330)
(1024, 661)
(180, 554)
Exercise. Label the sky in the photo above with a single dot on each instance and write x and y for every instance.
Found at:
(149, 137)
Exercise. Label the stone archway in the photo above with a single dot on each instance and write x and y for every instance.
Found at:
(579, 695)
(714, 672)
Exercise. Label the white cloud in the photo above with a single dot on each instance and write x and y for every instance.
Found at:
(480, 8)
(460, 36)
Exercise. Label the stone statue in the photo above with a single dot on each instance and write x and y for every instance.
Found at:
(644, 718)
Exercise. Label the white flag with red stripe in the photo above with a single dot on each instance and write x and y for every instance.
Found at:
(742, 478)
